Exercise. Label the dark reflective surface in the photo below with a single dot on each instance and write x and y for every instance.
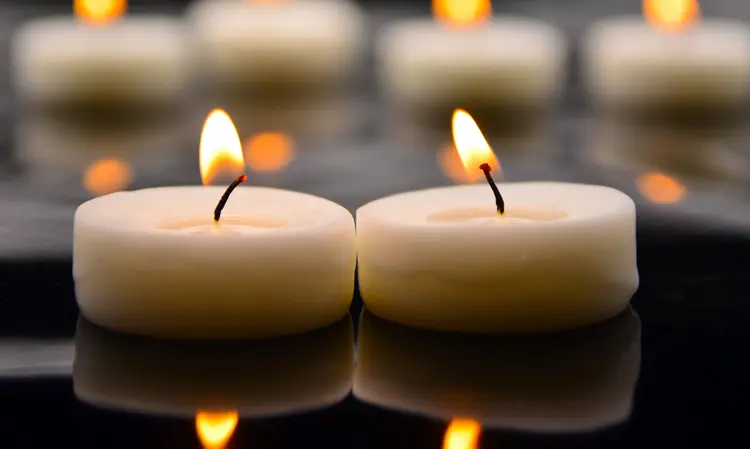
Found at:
(687, 348)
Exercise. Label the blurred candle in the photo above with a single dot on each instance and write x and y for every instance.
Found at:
(669, 61)
(100, 59)
(276, 46)
(467, 57)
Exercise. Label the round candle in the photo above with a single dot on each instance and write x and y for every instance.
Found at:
(505, 62)
(570, 382)
(180, 378)
(666, 65)
(158, 262)
(260, 45)
(96, 60)
(544, 257)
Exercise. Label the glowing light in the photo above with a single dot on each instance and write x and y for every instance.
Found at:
(462, 13)
(99, 11)
(215, 429)
(220, 148)
(462, 434)
(660, 188)
(671, 15)
(471, 145)
(106, 176)
(269, 151)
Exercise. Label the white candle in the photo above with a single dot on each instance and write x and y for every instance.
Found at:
(155, 262)
(570, 382)
(506, 62)
(561, 256)
(665, 64)
(261, 45)
(96, 60)
(180, 378)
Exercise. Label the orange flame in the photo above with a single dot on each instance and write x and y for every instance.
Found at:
(215, 428)
(671, 15)
(106, 176)
(220, 148)
(471, 145)
(99, 11)
(660, 188)
(462, 13)
(462, 434)
(269, 151)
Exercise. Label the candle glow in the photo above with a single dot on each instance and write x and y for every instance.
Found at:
(269, 151)
(105, 176)
(462, 13)
(215, 428)
(671, 15)
(471, 145)
(462, 434)
(660, 188)
(99, 12)
(220, 148)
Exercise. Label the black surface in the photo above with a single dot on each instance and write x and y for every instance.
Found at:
(694, 257)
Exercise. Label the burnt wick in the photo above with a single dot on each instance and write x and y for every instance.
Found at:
(498, 198)
(225, 197)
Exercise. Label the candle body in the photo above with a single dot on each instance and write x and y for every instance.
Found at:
(134, 60)
(152, 262)
(628, 64)
(568, 382)
(563, 256)
(259, 46)
(509, 62)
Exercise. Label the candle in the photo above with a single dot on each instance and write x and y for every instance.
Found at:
(97, 60)
(541, 257)
(273, 46)
(170, 262)
(670, 62)
(569, 382)
(184, 379)
(467, 57)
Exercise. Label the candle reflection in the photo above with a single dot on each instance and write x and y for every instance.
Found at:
(200, 379)
(567, 382)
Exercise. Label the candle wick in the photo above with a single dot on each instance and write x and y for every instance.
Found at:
(498, 198)
(225, 197)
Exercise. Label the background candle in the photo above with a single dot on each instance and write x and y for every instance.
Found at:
(263, 46)
(97, 60)
(561, 256)
(154, 261)
(466, 59)
(669, 62)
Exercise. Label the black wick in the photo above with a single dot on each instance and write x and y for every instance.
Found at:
(498, 198)
(225, 197)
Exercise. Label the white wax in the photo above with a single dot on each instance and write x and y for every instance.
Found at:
(247, 44)
(510, 60)
(568, 382)
(629, 63)
(152, 262)
(133, 60)
(256, 378)
(562, 256)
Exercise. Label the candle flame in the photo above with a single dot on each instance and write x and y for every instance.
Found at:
(462, 13)
(660, 188)
(215, 428)
(471, 145)
(462, 434)
(269, 151)
(671, 15)
(220, 148)
(99, 12)
(105, 176)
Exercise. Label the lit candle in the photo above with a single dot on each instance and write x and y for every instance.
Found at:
(520, 257)
(170, 262)
(669, 62)
(567, 382)
(466, 57)
(213, 381)
(274, 46)
(97, 60)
